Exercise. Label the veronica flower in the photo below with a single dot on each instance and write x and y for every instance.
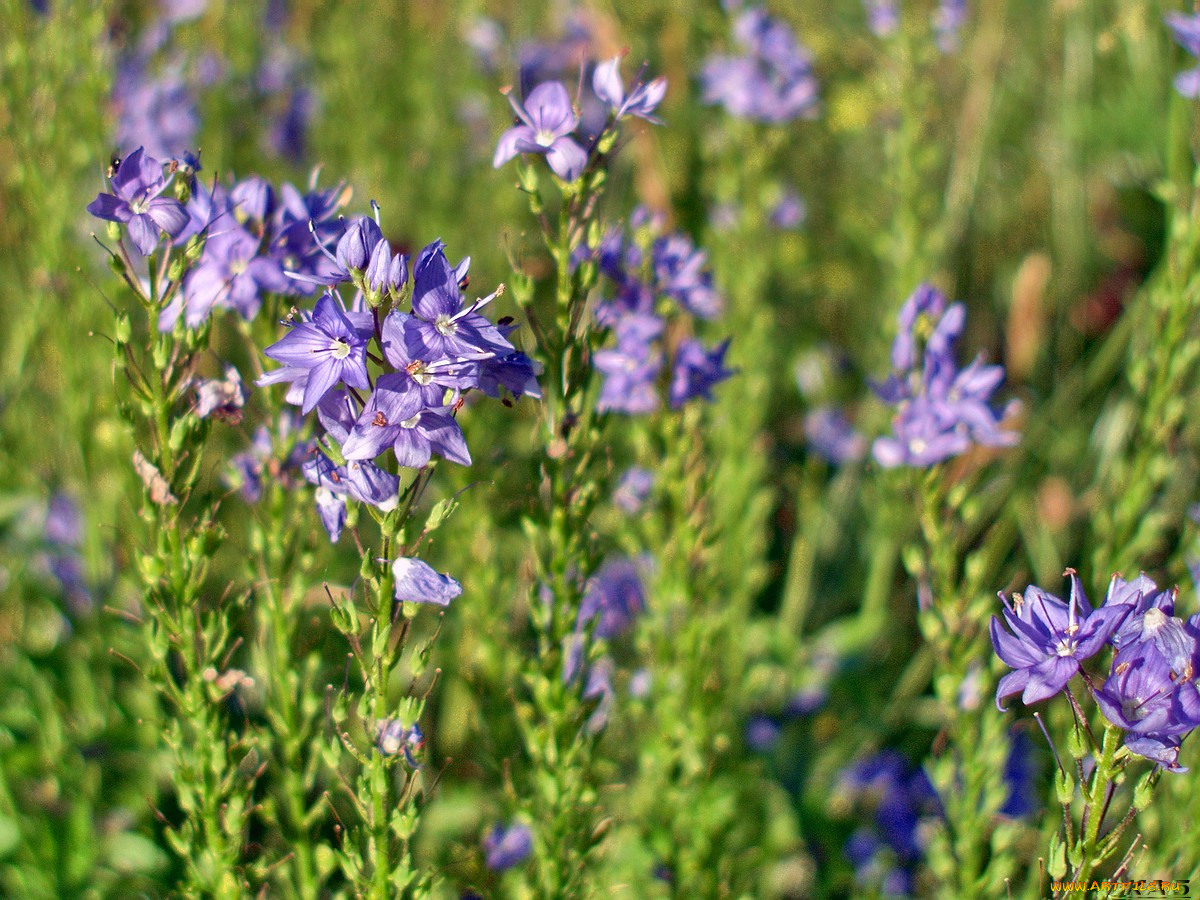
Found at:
(697, 371)
(883, 17)
(641, 101)
(948, 20)
(831, 436)
(771, 82)
(1186, 31)
(680, 269)
(633, 489)
(1048, 639)
(1147, 698)
(417, 582)
(230, 274)
(393, 737)
(324, 351)
(614, 594)
(507, 846)
(446, 329)
(136, 202)
(631, 368)
(546, 123)
(222, 397)
(395, 416)
(404, 347)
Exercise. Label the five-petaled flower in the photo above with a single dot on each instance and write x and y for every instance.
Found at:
(546, 123)
(136, 202)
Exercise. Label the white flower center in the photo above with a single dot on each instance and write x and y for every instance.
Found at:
(410, 423)
(340, 348)
(445, 325)
(545, 138)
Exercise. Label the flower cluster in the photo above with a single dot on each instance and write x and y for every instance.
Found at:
(940, 410)
(157, 84)
(771, 81)
(652, 276)
(244, 238)
(425, 360)
(1150, 692)
(547, 123)
(897, 800)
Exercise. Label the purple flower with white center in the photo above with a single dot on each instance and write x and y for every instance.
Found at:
(1049, 639)
(417, 582)
(1144, 595)
(507, 846)
(393, 737)
(772, 82)
(697, 371)
(395, 416)
(633, 489)
(547, 121)
(402, 347)
(230, 275)
(642, 101)
(1146, 698)
(832, 437)
(614, 594)
(445, 328)
(680, 269)
(325, 350)
(136, 202)
(1186, 31)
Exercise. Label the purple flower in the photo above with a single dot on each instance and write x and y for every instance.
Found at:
(1186, 31)
(631, 368)
(941, 411)
(761, 733)
(697, 371)
(135, 202)
(417, 582)
(324, 351)
(948, 20)
(444, 328)
(832, 437)
(547, 121)
(393, 737)
(158, 112)
(771, 82)
(230, 275)
(614, 594)
(404, 347)
(641, 101)
(1049, 639)
(680, 269)
(394, 415)
(1154, 704)
(507, 846)
(221, 397)
(790, 212)
(900, 798)
(633, 489)
(883, 17)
